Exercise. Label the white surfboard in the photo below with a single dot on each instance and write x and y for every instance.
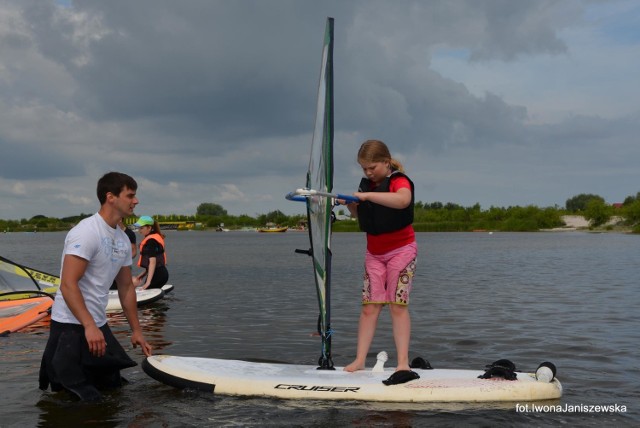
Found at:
(143, 297)
(234, 377)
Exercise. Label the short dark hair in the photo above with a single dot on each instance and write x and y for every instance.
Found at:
(114, 182)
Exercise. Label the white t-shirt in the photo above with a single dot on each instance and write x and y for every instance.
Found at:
(107, 249)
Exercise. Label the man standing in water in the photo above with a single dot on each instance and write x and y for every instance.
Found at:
(82, 354)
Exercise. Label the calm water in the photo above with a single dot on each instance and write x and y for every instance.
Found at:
(571, 298)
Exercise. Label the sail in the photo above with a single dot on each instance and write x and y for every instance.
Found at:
(18, 281)
(14, 278)
(319, 208)
(44, 279)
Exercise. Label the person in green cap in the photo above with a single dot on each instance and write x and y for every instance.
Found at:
(153, 258)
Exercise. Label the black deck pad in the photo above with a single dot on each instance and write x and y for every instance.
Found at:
(401, 376)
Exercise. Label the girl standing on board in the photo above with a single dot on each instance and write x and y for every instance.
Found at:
(385, 212)
(153, 258)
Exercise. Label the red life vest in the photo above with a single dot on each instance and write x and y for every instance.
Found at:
(157, 237)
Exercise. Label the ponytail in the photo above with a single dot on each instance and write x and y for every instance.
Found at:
(396, 165)
(156, 228)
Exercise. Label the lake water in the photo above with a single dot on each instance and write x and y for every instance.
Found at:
(571, 298)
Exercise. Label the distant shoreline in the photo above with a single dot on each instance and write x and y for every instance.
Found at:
(571, 223)
(579, 223)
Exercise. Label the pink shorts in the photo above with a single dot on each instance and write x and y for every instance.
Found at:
(388, 277)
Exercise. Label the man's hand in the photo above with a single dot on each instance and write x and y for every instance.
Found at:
(95, 340)
(138, 339)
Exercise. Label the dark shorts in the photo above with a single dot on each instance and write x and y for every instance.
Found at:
(68, 364)
(160, 277)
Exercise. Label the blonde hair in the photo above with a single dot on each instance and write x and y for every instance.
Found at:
(377, 151)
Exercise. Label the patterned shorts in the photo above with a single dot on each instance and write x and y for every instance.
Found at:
(388, 277)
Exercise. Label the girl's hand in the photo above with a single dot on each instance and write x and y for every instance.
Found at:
(345, 203)
(361, 195)
(353, 208)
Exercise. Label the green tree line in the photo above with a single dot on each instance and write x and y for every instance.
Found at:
(428, 217)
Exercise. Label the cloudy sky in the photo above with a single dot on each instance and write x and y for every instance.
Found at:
(496, 102)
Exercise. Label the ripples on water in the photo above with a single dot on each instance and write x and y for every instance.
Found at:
(570, 298)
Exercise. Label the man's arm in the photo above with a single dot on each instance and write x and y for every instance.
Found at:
(127, 295)
(73, 268)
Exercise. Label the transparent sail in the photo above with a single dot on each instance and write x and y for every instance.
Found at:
(320, 178)
(15, 278)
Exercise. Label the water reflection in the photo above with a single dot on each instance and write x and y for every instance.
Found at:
(152, 320)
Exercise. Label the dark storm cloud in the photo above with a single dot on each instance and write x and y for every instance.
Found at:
(245, 69)
(28, 163)
(239, 69)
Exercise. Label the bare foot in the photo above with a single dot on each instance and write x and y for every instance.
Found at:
(354, 366)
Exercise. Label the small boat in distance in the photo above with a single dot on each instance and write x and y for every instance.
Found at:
(272, 228)
(221, 228)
